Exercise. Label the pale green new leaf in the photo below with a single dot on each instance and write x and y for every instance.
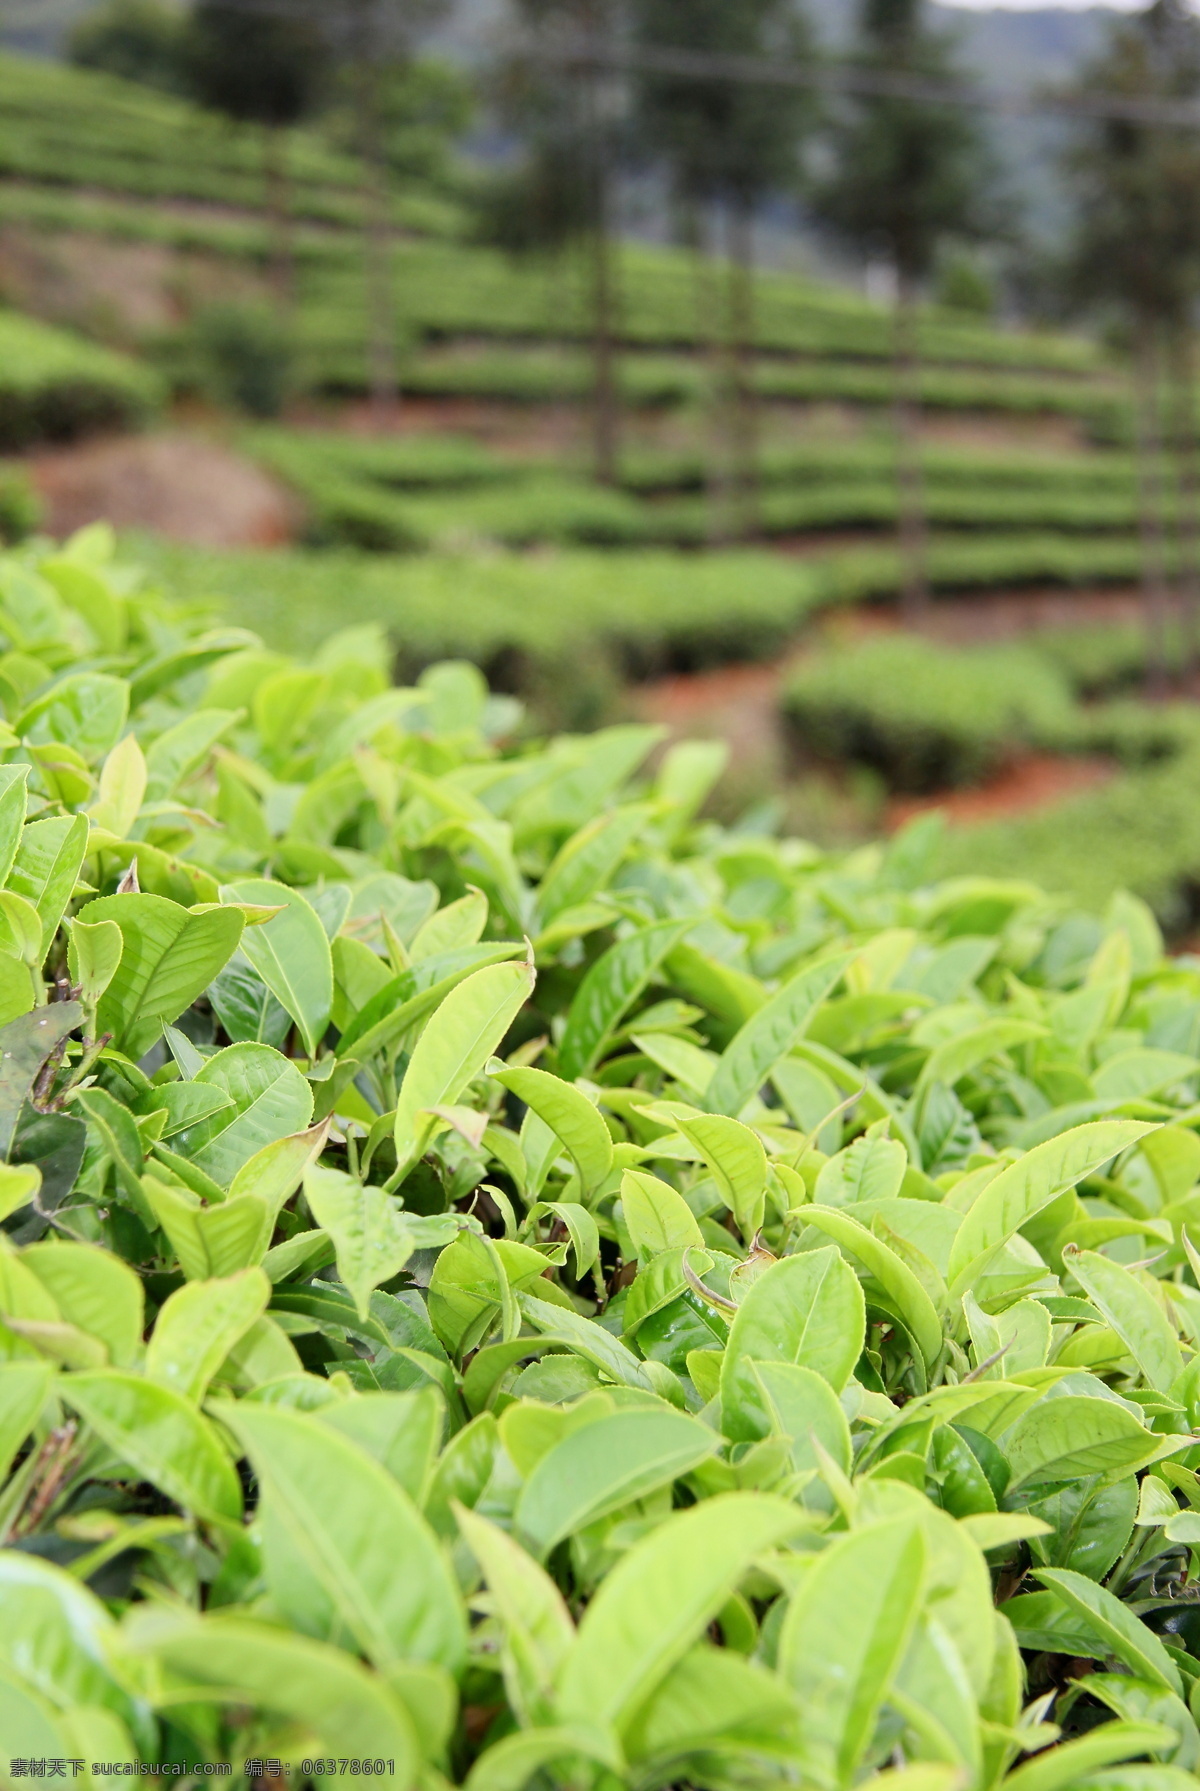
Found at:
(660, 1597)
(197, 1327)
(454, 1047)
(291, 953)
(358, 1534)
(162, 1437)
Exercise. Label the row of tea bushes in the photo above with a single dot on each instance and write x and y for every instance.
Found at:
(495, 1269)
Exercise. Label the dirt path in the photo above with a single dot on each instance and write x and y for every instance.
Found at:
(740, 704)
(179, 485)
(1038, 780)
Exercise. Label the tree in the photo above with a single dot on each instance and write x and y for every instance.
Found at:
(908, 175)
(1136, 250)
(262, 62)
(726, 144)
(140, 40)
(373, 44)
(561, 192)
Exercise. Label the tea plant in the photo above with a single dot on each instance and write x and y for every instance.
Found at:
(508, 1281)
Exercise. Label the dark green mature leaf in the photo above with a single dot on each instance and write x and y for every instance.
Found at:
(610, 987)
(25, 1044)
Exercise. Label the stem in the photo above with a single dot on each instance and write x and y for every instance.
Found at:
(605, 412)
(377, 243)
(906, 413)
(1148, 451)
(742, 332)
(277, 187)
(1187, 483)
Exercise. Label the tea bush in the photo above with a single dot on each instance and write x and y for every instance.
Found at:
(506, 1280)
(55, 386)
(927, 717)
(388, 496)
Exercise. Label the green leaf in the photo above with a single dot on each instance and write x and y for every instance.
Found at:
(210, 1242)
(612, 983)
(659, 1599)
(538, 1631)
(805, 1309)
(589, 858)
(291, 953)
(841, 1671)
(581, 1228)
(273, 1173)
(510, 1763)
(46, 868)
(197, 1327)
(571, 1117)
(372, 1235)
(872, 1168)
(911, 1304)
(457, 924)
(1128, 1638)
(604, 1465)
(657, 1217)
(455, 1045)
(13, 804)
(93, 956)
(162, 1437)
(86, 710)
(59, 1638)
(25, 1044)
(1023, 1188)
(714, 1706)
(769, 1035)
(1073, 1435)
(956, 1057)
(93, 1290)
(1134, 1314)
(738, 1163)
(24, 1389)
(169, 956)
(401, 1431)
(323, 1690)
(269, 1100)
(358, 1534)
(1072, 1763)
(561, 1324)
(804, 1408)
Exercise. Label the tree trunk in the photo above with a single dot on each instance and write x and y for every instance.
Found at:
(1187, 494)
(1148, 453)
(910, 484)
(744, 409)
(710, 336)
(277, 191)
(377, 233)
(605, 398)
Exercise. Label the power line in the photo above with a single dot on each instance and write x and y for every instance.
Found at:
(840, 77)
(846, 77)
